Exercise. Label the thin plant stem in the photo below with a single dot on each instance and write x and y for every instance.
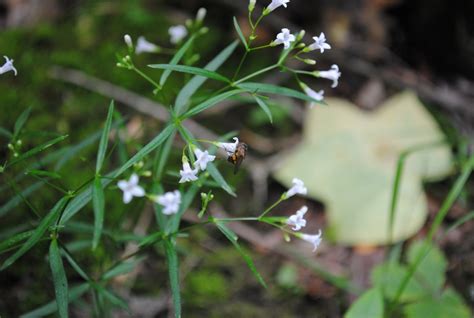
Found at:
(146, 77)
(264, 70)
(448, 202)
(271, 207)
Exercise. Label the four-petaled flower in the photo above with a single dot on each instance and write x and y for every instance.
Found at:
(275, 4)
(285, 38)
(177, 33)
(188, 174)
(298, 187)
(8, 66)
(319, 96)
(130, 188)
(297, 220)
(170, 202)
(332, 74)
(313, 239)
(229, 147)
(202, 159)
(145, 46)
(319, 43)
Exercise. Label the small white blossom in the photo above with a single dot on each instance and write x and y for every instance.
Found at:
(202, 159)
(285, 38)
(297, 220)
(188, 174)
(275, 4)
(201, 14)
(229, 147)
(144, 46)
(313, 239)
(319, 96)
(297, 188)
(8, 66)
(319, 43)
(170, 202)
(128, 40)
(333, 74)
(177, 33)
(131, 188)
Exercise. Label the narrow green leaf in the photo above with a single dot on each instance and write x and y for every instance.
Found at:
(43, 173)
(14, 240)
(51, 307)
(59, 278)
(369, 304)
(82, 199)
(18, 198)
(176, 58)
(173, 271)
(196, 82)
(264, 107)
(36, 150)
(232, 237)
(74, 264)
(216, 175)
(211, 102)
(191, 70)
(253, 87)
(241, 35)
(112, 298)
(152, 145)
(5, 133)
(20, 122)
(121, 268)
(104, 139)
(48, 220)
(98, 205)
(161, 157)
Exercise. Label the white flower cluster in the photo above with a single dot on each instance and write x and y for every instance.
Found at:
(130, 188)
(202, 159)
(286, 39)
(297, 221)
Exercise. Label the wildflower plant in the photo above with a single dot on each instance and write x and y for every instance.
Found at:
(141, 177)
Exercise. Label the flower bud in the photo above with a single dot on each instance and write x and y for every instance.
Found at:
(201, 14)
(252, 5)
(300, 35)
(309, 61)
(128, 40)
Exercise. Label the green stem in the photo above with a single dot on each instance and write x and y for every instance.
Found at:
(240, 65)
(270, 208)
(146, 77)
(266, 69)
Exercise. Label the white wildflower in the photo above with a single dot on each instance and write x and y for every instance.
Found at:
(188, 174)
(319, 96)
(202, 159)
(177, 33)
(297, 220)
(333, 74)
(229, 147)
(8, 66)
(275, 4)
(319, 44)
(313, 239)
(170, 202)
(297, 188)
(145, 46)
(131, 188)
(285, 38)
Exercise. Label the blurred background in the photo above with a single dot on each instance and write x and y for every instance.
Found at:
(65, 53)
